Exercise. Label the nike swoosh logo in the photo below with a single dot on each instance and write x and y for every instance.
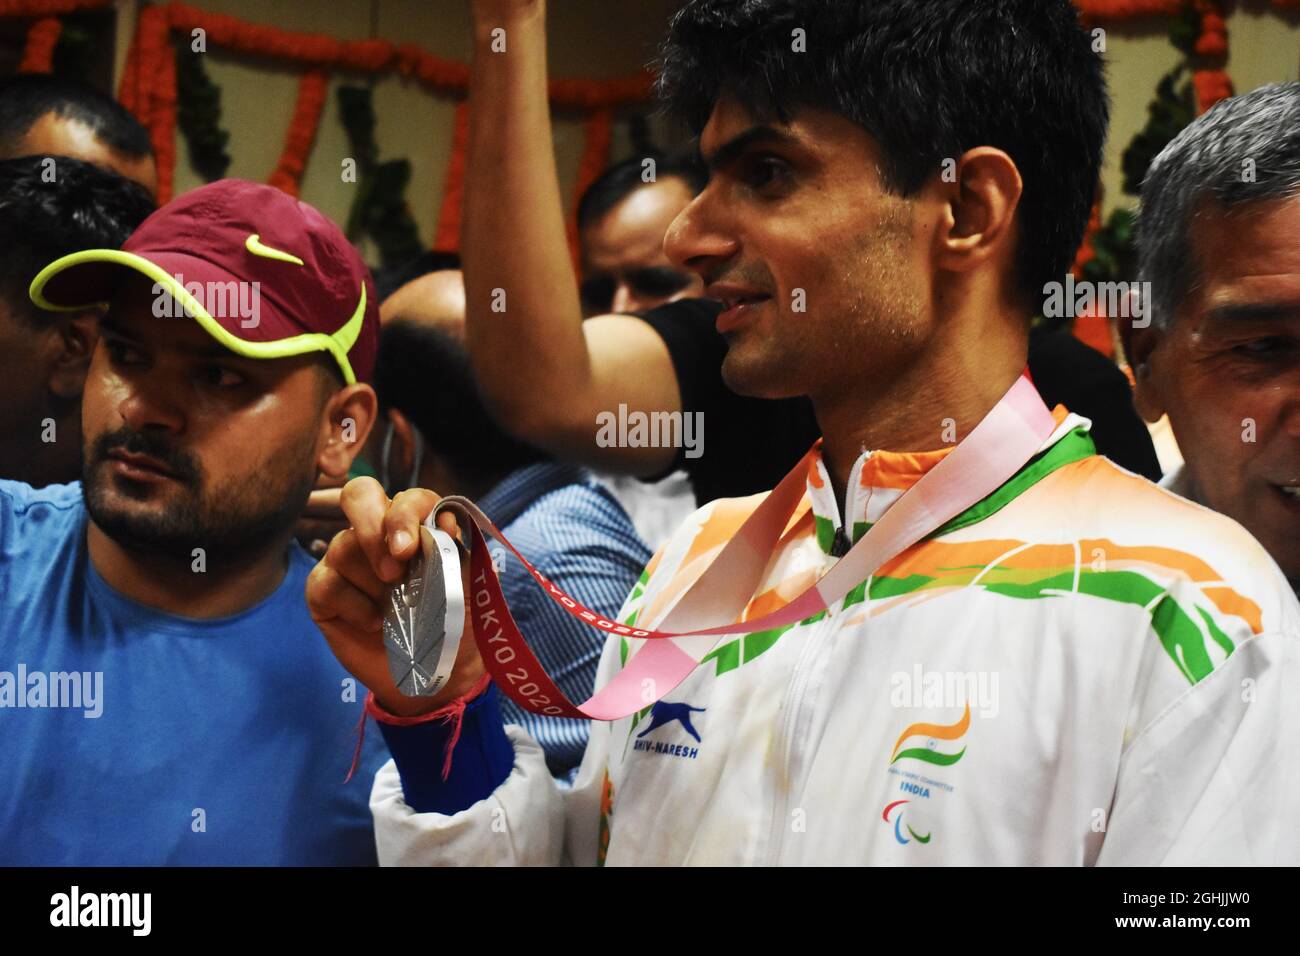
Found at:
(254, 245)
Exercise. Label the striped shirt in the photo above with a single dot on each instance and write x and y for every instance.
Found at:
(579, 537)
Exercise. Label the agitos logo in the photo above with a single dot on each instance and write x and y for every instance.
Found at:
(930, 753)
(898, 833)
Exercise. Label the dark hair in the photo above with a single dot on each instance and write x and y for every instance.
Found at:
(1245, 149)
(54, 205)
(27, 97)
(622, 179)
(927, 80)
(388, 281)
(424, 372)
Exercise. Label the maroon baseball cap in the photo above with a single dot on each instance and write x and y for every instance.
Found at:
(266, 275)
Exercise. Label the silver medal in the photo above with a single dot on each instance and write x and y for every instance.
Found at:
(425, 617)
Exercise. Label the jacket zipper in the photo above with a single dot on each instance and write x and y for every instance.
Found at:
(840, 546)
(789, 723)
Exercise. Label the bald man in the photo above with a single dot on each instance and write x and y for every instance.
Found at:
(437, 298)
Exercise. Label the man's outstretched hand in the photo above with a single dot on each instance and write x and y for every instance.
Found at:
(348, 590)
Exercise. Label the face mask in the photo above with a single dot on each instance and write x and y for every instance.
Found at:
(385, 478)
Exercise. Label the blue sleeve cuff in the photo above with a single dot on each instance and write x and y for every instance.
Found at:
(482, 760)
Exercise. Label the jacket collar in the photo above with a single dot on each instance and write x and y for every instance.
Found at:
(879, 478)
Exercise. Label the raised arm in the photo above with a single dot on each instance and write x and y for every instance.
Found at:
(544, 372)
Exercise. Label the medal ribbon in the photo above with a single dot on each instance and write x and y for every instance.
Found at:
(995, 450)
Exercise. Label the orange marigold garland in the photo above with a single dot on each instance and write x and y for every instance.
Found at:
(1096, 10)
(1211, 85)
(434, 72)
(47, 8)
(1093, 327)
(447, 238)
(128, 88)
(1085, 253)
(155, 105)
(1213, 41)
(1207, 51)
(150, 32)
(598, 131)
(148, 86)
(374, 56)
(312, 90)
(162, 131)
(42, 38)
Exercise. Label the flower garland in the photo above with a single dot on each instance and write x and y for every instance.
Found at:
(43, 35)
(312, 89)
(599, 131)
(148, 88)
(1214, 84)
(1098, 10)
(148, 85)
(129, 93)
(1092, 328)
(155, 102)
(447, 237)
(42, 38)
(1211, 83)
(375, 56)
(48, 8)
(1086, 253)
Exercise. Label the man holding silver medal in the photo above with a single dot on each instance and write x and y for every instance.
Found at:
(561, 518)
(953, 634)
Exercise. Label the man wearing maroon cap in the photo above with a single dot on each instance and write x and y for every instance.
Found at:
(166, 698)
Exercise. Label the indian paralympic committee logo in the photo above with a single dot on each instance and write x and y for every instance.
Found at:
(939, 739)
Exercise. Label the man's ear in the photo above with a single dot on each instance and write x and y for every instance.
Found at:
(980, 192)
(347, 418)
(75, 341)
(1142, 349)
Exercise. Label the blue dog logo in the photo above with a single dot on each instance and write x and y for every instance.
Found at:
(665, 713)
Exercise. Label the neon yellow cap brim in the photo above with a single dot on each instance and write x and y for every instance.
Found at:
(337, 344)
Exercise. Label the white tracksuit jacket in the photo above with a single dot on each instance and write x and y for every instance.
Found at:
(1081, 669)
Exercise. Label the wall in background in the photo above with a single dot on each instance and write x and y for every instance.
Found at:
(1263, 47)
(587, 39)
(598, 39)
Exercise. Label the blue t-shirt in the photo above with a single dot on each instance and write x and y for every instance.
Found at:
(175, 741)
